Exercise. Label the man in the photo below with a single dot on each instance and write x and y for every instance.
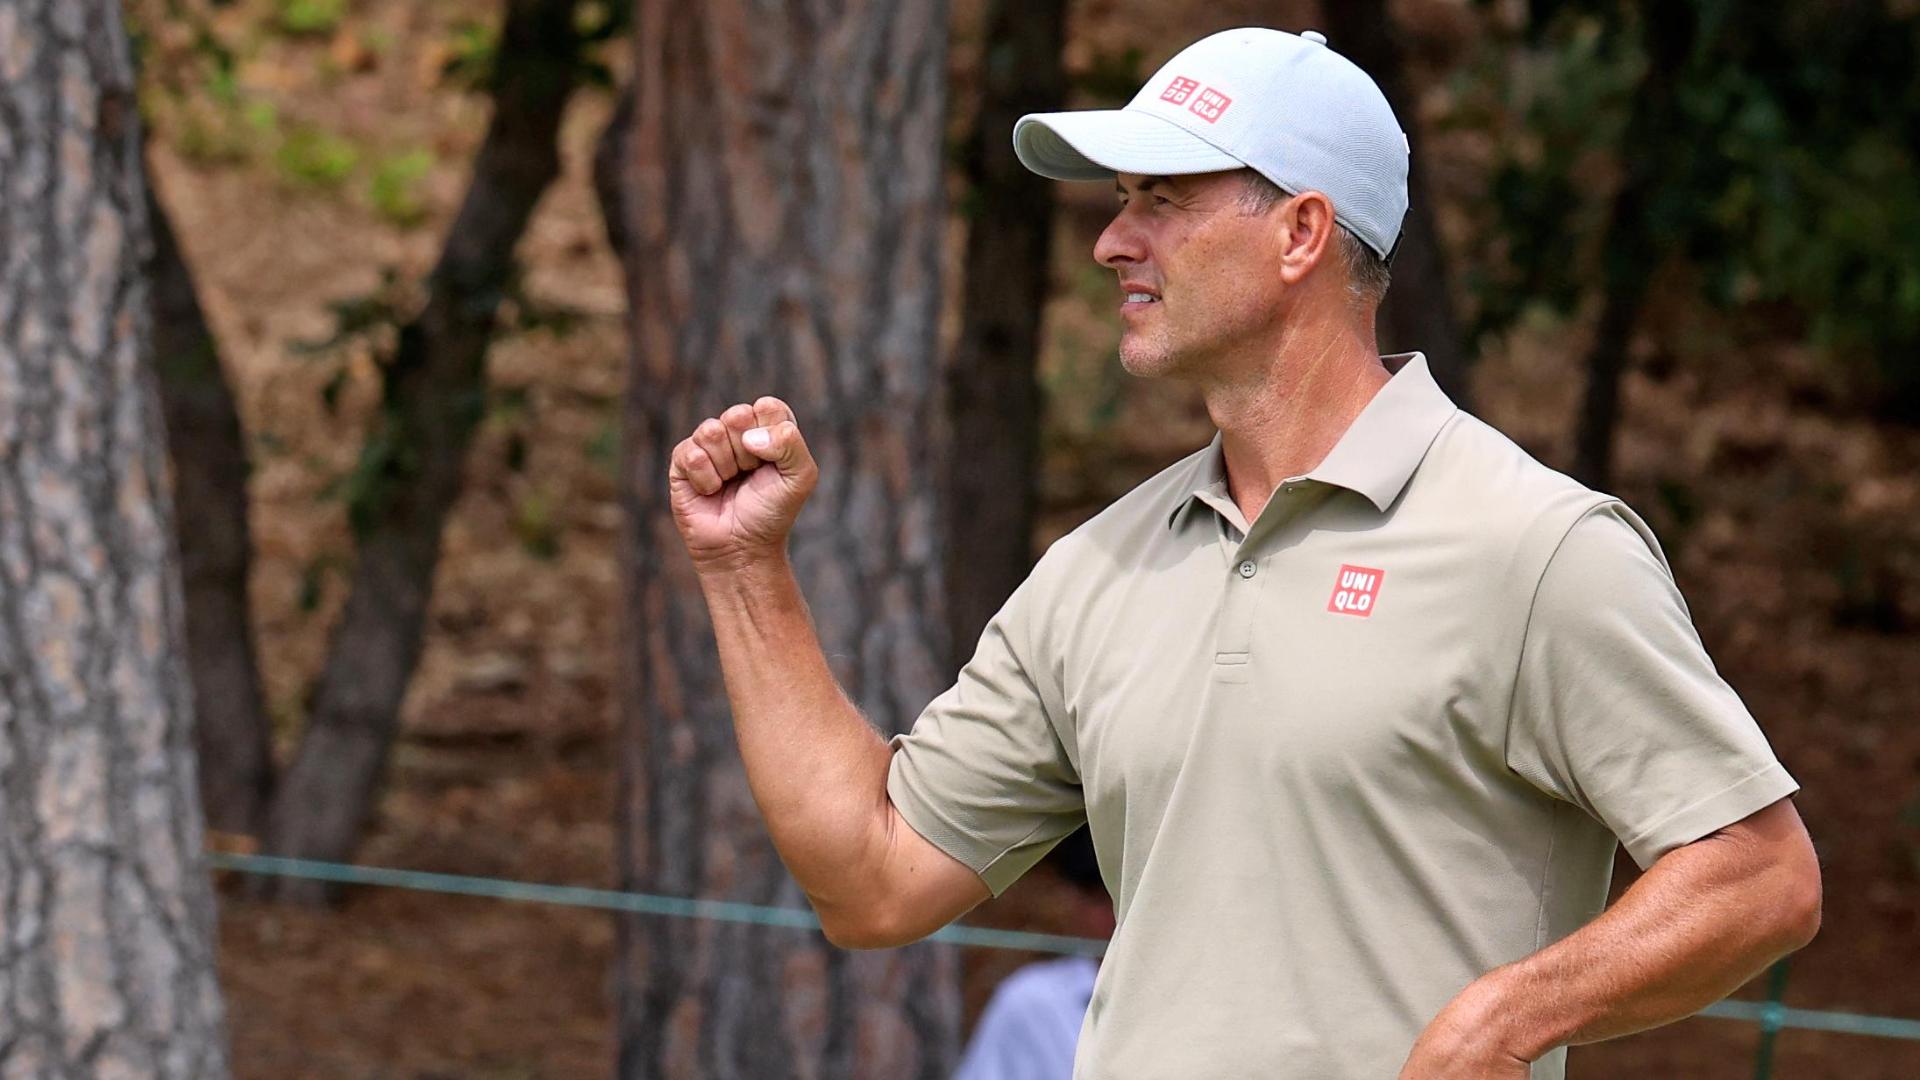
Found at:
(1357, 701)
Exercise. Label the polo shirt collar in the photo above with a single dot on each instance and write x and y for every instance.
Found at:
(1375, 457)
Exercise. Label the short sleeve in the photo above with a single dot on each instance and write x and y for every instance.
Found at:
(1617, 707)
(984, 774)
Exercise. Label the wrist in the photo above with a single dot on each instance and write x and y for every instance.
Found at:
(737, 564)
(745, 578)
(1506, 1015)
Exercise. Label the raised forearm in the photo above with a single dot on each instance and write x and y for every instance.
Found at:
(817, 769)
(1701, 922)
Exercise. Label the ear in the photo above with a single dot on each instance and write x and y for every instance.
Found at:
(1305, 224)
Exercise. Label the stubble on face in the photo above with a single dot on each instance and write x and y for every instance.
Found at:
(1202, 252)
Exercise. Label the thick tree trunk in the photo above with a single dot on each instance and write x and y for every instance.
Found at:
(1418, 312)
(108, 966)
(209, 459)
(993, 398)
(433, 396)
(1635, 244)
(784, 174)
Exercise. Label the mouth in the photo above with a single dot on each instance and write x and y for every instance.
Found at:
(1135, 298)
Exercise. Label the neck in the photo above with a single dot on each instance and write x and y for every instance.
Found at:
(1285, 415)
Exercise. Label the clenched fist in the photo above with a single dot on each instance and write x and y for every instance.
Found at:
(737, 483)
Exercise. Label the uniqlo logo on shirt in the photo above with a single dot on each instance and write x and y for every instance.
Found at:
(1210, 104)
(1179, 90)
(1355, 591)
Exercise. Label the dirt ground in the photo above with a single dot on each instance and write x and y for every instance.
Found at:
(1794, 531)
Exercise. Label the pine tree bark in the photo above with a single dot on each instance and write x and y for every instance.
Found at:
(108, 966)
(1418, 312)
(993, 398)
(209, 458)
(433, 395)
(784, 213)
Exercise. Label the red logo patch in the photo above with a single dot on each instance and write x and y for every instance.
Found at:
(1179, 90)
(1210, 105)
(1355, 591)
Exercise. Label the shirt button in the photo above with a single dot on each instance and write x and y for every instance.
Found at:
(1247, 568)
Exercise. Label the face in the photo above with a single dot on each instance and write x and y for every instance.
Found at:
(1199, 275)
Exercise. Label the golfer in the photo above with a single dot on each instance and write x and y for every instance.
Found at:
(1357, 700)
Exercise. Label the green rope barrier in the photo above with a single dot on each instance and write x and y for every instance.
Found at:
(800, 919)
(1757, 1012)
(611, 900)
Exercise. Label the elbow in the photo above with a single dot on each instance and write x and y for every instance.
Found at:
(1804, 908)
(1797, 907)
(867, 927)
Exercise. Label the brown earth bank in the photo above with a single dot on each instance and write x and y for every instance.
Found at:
(1794, 531)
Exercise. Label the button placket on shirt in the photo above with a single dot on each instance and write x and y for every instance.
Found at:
(1240, 605)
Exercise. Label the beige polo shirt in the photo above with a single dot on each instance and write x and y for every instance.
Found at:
(1341, 761)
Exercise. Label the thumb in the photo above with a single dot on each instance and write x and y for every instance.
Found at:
(781, 445)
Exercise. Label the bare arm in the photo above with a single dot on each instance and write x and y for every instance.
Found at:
(817, 769)
(1704, 919)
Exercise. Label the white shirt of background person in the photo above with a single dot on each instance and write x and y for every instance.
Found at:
(1032, 1023)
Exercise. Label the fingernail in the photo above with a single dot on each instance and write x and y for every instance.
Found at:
(757, 438)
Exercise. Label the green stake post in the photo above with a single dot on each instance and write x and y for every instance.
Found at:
(1772, 1016)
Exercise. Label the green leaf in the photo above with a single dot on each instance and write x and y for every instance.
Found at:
(311, 17)
(310, 157)
(398, 187)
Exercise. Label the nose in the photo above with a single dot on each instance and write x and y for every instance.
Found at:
(1121, 243)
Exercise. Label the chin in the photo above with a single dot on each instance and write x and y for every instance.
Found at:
(1147, 360)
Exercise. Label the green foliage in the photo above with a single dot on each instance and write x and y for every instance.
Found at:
(603, 447)
(190, 87)
(311, 157)
(385, 463)
(371, 316)
(313, 17)
(1559, 112)
(600, 24)
(537, 524)
(397, 189)
(471, 53)
(1786, 156)
(1111, 78)
(313, 580)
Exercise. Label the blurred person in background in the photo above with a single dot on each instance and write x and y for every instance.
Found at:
(1032, 1023)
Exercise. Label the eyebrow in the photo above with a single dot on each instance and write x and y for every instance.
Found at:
(1147, 183)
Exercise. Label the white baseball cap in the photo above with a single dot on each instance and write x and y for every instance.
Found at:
(1283, 104)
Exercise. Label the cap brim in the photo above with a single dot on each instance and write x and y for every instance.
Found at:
(1093, 145)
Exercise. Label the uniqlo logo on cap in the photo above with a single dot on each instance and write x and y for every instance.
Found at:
(1210, 104)
(1179, 90)
(1355, 591)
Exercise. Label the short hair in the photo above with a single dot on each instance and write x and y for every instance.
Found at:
(1367, 273)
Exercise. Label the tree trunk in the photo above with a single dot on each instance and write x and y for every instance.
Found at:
(209, 457)
(784, 212)
(108, 966)
(1418, 312)
(433, 396)
(993, 399)
(608, 153)
(1635, 243)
